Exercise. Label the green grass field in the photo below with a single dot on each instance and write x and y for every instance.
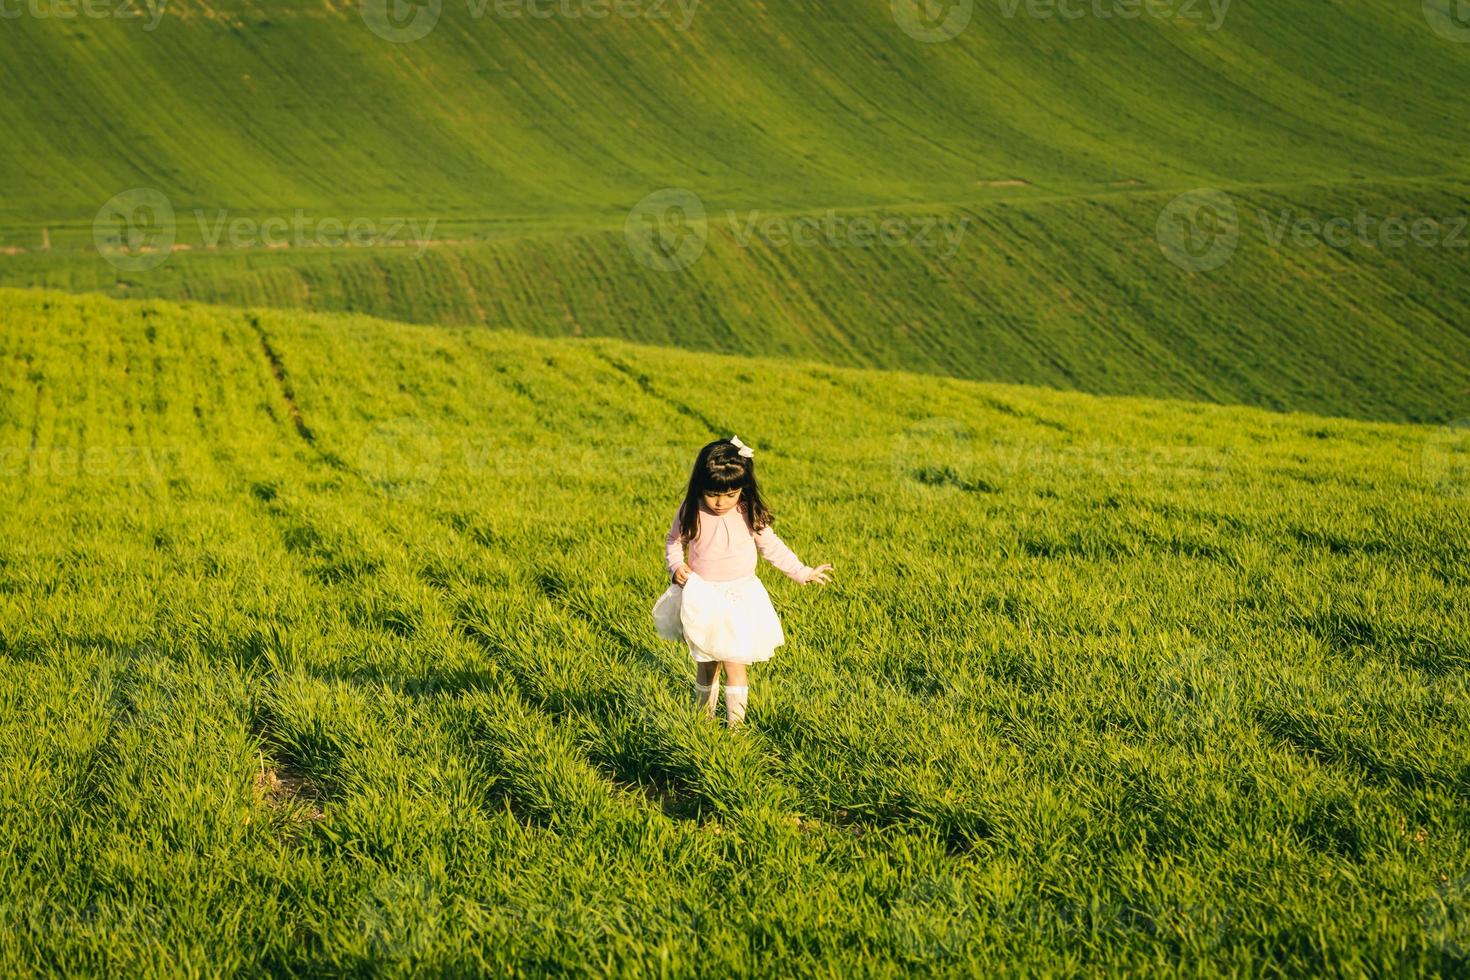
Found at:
(1116, 354)
(327, 650)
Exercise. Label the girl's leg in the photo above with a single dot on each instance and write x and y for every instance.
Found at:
(706, 686)
(737, 691)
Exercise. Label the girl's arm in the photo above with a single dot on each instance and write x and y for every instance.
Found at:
(775, 551)
(673, 547)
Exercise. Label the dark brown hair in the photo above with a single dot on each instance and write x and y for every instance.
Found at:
(719, 468)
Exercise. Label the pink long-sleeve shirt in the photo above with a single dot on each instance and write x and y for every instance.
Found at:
(725, 548)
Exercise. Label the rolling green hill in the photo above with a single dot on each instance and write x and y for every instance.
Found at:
(325, 648)
(264, 106)
(1052, 145)
(1070, 294)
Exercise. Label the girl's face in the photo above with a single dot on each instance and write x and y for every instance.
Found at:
(722, 502)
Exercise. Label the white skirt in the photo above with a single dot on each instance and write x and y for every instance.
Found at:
(731, 621)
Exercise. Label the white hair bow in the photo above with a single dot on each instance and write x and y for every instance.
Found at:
(745, 450)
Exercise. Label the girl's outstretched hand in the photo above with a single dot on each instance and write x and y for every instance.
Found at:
(819, 575)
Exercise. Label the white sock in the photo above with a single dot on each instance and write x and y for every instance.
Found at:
(735, 697)
(705, 696)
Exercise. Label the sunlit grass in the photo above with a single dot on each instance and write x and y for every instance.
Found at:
(1100, 683)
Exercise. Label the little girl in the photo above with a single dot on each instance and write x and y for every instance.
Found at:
(717, 604)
